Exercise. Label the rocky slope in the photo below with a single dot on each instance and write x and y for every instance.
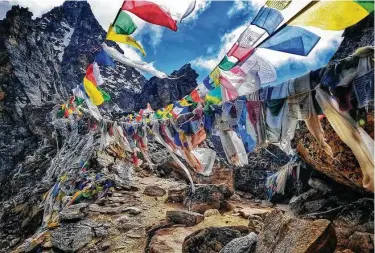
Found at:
(41, 60)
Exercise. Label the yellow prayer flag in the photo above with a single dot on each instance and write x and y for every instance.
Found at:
(93, 92)
(184, 102)
(331, 15)
(215, 76)
(126, 39)
(278, 4)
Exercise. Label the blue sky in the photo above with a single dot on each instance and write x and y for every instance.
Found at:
(203, 38)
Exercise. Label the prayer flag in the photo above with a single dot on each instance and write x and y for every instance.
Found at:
(189, 10)
(150, 12)
(124, 24)
(215, 76)
(102, 59)
(334, 15)
(228, 62)
(268, 19)
(208, 84)
(93, 92)
(195, 96)
(241, 53)
(278, 4)
(126, 39)
(292, 40)
(214, 96)
(143, 66)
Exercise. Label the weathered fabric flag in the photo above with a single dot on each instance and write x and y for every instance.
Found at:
(102, 59)
(92, 91)
(214, 96)
(334, 15)
(292, 40)
(126, 39)
(189, 10)
(278, 4)
(228, 62)
(268, 19)
(150, 12)
(143, 66)
(264, 69)
(241, 53)
(124, 24)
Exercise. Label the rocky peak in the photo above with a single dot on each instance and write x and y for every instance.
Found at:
(161, 92)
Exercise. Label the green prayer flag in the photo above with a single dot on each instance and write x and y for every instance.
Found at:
(368, 5)
(124, 24)
(226, 64)
(105, 95)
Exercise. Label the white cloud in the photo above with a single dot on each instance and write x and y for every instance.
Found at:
(37, 7)
(240, 5)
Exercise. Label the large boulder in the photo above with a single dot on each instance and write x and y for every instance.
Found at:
(161, 241)
(154, 191)
(244, 244)
(207, 197)
(361, 242)
(186, 218)
(211, 239)
(71, 237)
(283, 233)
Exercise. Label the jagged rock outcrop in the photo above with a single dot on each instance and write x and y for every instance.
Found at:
(161, 92)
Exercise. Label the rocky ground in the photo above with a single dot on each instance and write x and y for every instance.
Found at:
(160, 214)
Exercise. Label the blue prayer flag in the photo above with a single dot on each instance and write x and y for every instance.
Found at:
(268, 19)
(103, 59)
(292, 40)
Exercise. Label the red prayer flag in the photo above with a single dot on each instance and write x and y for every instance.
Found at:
(90, 74)
(241, 53)
(150, 12)
(195, 96)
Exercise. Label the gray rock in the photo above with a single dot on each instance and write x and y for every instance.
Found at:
(211, 239)
(137, 233)
(154, 191)
(282, 233)
(297, 203)
(184, 217)
(361, 242)
(177, 193)
(244, 244)
(207, 196)
(133, 210)
(319, 185)
(71, 237)
(73, 212)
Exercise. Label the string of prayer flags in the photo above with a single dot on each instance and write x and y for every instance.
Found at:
(334, 15)
(292, 40)
(126, 39)
(150, 12)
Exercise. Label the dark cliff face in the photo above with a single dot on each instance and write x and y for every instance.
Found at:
(161, 92)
